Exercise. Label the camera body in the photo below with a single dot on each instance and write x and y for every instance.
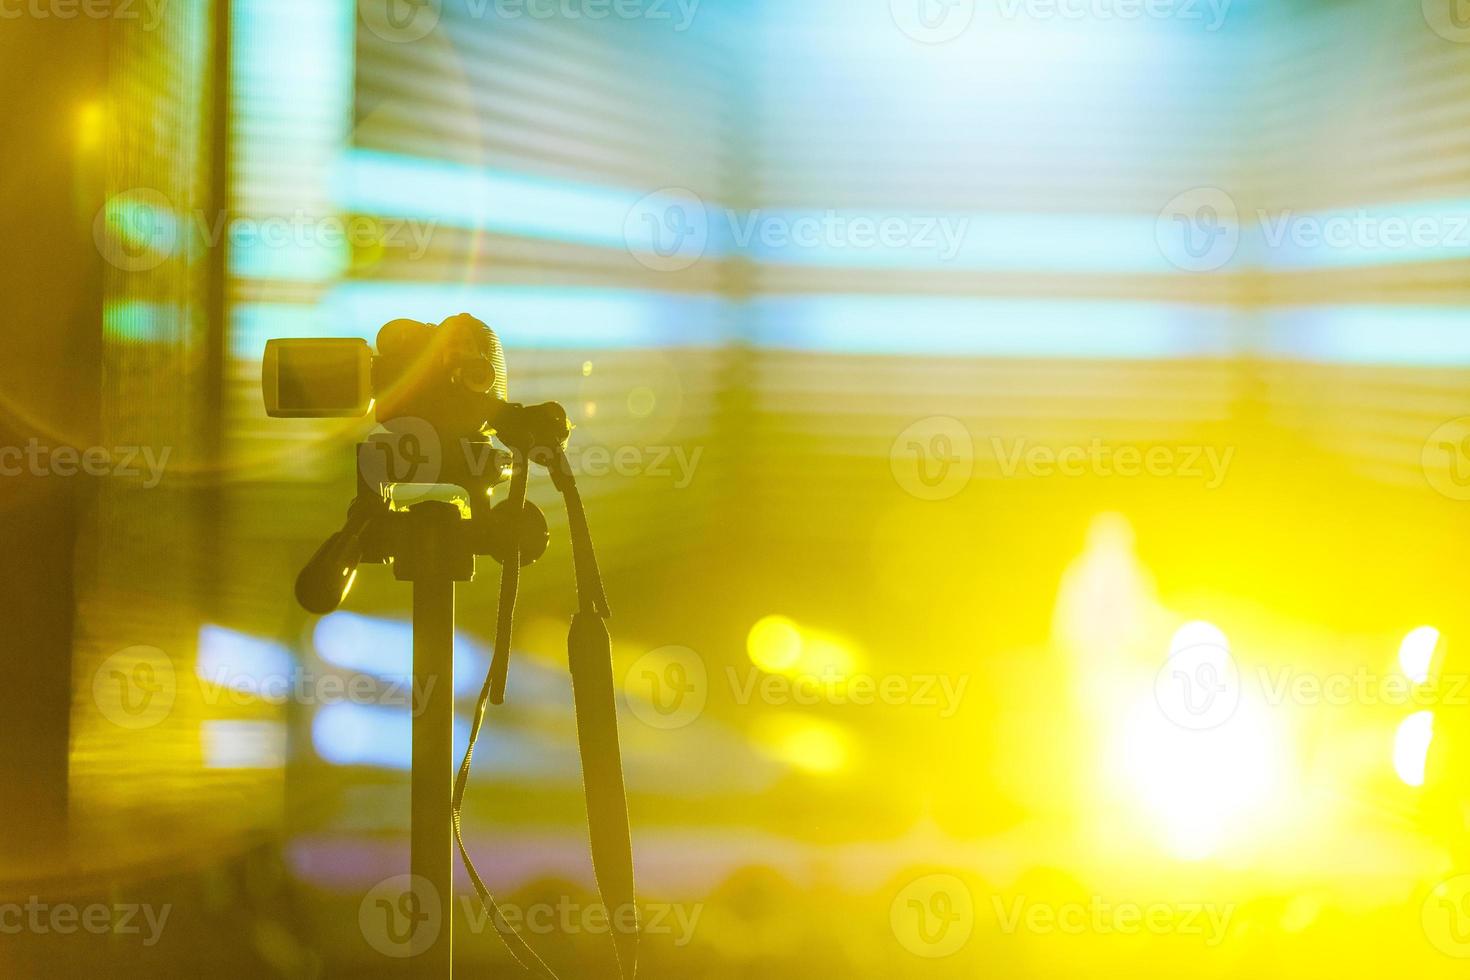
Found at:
(450, 375)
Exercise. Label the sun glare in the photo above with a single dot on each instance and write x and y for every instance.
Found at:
(1200, 789)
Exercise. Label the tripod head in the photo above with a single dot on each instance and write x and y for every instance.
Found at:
(439, 393)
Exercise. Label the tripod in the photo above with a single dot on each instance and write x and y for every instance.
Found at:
(433, 544)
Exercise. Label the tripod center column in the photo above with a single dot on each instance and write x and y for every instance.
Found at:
(435, 555)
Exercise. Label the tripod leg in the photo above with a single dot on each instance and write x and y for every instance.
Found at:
(432, 841)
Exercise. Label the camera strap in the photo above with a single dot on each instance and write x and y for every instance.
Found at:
(589, 655)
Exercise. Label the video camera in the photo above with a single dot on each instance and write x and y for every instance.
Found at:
(452, 375)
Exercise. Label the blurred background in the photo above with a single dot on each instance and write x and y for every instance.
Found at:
(1028, 443)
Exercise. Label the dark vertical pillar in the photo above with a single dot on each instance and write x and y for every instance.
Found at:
(51, 290)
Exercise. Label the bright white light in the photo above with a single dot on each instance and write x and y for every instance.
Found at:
(1198, 633)
(1411, 747)
(1201, 789)
(1416, 653)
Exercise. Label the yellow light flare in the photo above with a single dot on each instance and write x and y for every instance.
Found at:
(775, 645)
(809, 744)
(824, 655)
(90, 125)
